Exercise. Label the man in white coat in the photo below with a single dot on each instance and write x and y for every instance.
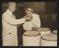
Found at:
(9, 26)
(34, 23)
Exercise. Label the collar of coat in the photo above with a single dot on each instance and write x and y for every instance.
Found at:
(9, 11)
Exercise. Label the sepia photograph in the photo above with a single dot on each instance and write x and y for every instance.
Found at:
(29, 23)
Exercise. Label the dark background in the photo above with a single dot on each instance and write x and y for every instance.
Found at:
(46, 10)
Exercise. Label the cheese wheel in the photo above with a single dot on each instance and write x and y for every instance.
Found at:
(31, 38)
(49, 40)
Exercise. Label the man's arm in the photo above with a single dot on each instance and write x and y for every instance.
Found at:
(36, 21)
(10, 20)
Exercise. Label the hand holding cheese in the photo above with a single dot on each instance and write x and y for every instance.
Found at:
(28, 18)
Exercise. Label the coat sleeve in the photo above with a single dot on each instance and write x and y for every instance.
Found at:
(12, 21)
(36, 21)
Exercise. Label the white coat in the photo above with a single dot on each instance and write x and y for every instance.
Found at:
(9, 28)
(35, 22)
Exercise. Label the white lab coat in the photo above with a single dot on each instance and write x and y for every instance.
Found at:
(9, 28)
(35, 22)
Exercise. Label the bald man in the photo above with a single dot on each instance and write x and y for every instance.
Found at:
(9, 26)
(32, 23)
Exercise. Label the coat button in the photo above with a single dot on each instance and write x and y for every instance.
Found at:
(9, 33)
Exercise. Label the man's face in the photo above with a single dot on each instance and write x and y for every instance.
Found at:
(28, 12)
(12, 6)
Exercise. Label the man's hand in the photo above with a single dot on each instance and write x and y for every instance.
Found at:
(28, 18)
(34, 28)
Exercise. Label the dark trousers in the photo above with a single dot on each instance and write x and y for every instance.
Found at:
(20, 34)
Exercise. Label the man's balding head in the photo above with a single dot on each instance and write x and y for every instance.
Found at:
(29, 10)
(11, 3)
(12, 6)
